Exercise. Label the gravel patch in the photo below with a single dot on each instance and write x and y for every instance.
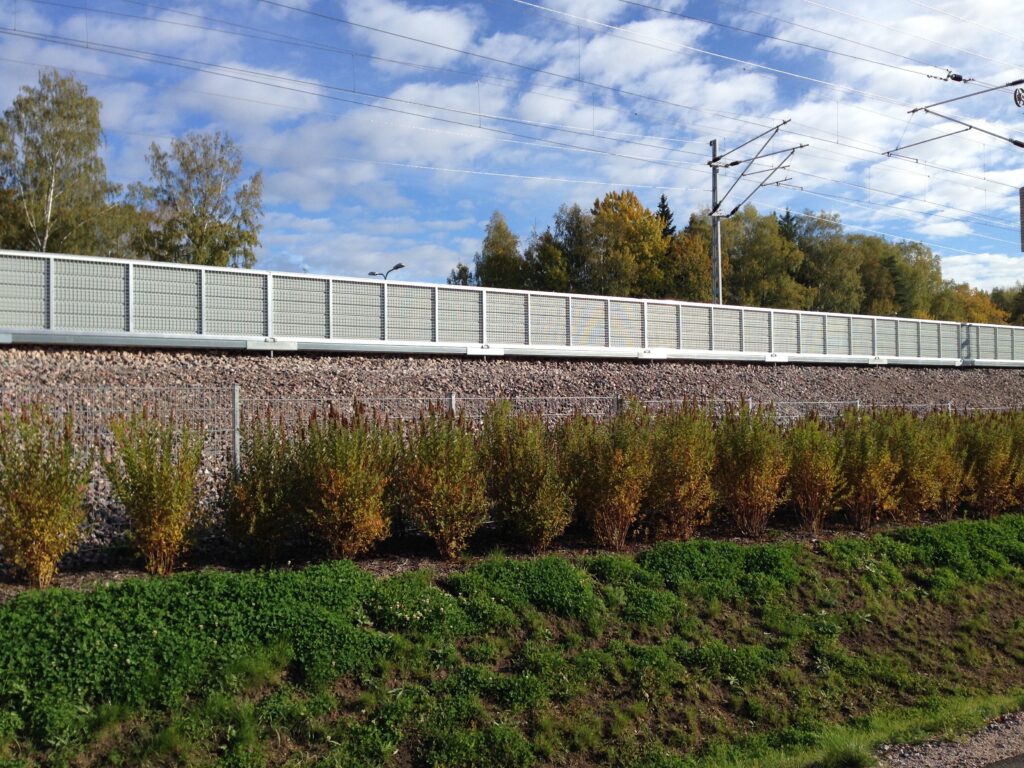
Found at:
(37, 370)
(1000, 740)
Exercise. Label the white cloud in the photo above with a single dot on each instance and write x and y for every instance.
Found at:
(442, 25)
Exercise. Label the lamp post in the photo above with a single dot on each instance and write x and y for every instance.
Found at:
(399, 265)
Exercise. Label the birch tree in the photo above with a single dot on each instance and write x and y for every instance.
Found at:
(50, 165)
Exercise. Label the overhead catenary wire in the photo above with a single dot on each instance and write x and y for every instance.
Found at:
(156, 58)
(746, 11)
(885, 206)
(889, 28)
(602, 86)
(965, 20)
(776, 38)
(676, 47)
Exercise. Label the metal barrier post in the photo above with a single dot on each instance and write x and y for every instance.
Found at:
(236, 427)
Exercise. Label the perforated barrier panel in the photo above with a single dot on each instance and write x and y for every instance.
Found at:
(23, 292)
(166, 300)
(84, 300)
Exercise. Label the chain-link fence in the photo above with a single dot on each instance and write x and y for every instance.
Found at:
(222, 412)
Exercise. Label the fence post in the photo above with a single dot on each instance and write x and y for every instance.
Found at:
(451, 402)
(236, 428)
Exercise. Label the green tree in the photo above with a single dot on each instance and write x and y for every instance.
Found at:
(876, 278)
(763, 263)
(461, 275)
(1011, 301)
(577, 239)
(545, 264)
(57, 191)
(199, 209)
(917, 276)
(664, 213)
(499, 264)
(831, 266)
(689, 259)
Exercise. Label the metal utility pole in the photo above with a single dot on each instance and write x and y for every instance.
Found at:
(716, 231)
(717, 163)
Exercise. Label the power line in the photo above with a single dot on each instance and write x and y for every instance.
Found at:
(198, 66)
(809, 46)
(789, 22)
(986, 27)
(933, 246)
(671, 47)
(213, 69)
(883, 206)
(608, 88)
(909, 34)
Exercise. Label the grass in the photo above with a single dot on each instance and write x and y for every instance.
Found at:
(692, 655)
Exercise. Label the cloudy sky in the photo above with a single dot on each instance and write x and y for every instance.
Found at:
(390, 131)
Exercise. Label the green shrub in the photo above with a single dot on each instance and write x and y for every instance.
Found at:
(814, 479)
(575, 438)
(43, 478)
(154, 474)
(342, 477)
(994, 474)
(610, 466)
(869, 471)
(443, 485)
(917, 455)
(750, 466)
(258, 501)
(528, 497)
(680, 494)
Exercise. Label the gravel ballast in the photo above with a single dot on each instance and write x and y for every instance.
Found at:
(1000, 740)
(37, 370)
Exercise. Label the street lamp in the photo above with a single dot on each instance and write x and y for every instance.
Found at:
(399, 265)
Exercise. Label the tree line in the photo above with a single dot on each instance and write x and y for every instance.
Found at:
(795, 261)
(55, 196)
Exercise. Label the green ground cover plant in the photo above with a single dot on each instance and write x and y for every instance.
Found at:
(697, 654)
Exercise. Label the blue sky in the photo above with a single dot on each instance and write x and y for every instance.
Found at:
(390, 131)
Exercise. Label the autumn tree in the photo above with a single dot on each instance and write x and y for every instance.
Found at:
(499, 264)
(689, 262)
(629, 248)
(56, 188)
(199, 209)
(961, 302)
